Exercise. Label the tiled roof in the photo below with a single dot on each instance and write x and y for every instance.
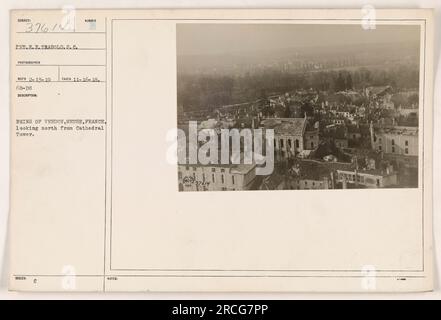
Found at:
(410, 131)
(242, 168)
(379, 90)
(286, 126)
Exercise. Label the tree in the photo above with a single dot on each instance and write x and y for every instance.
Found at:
(348, 83)
(340, 82)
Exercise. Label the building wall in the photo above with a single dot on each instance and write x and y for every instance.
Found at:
(311, 140)
(212, 178)
(311, 184)
(288, 144)
(389, 180)
(408, 112)
(366, 179)
(402, 160)
(248, 178)
(308, 184)
(396, 144)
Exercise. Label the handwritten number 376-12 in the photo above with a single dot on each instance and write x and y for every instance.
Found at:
(43, 27)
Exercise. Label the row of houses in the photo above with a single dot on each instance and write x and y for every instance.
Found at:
(243, 177)
(294, 136)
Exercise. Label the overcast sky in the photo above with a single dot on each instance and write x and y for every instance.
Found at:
(225, 38)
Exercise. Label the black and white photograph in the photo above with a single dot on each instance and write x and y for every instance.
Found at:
(287, 106)
(119, 119)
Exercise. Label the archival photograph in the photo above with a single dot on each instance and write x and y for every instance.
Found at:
(297, 106)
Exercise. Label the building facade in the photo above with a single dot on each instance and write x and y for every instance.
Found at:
(395, 140)
(311, 184)
(289, 135)
(312, 138)
(368, 179)
(216, 177)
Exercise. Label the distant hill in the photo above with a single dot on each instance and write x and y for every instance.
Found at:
(299, 59)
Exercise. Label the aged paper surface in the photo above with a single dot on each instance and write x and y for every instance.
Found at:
(337, 198)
